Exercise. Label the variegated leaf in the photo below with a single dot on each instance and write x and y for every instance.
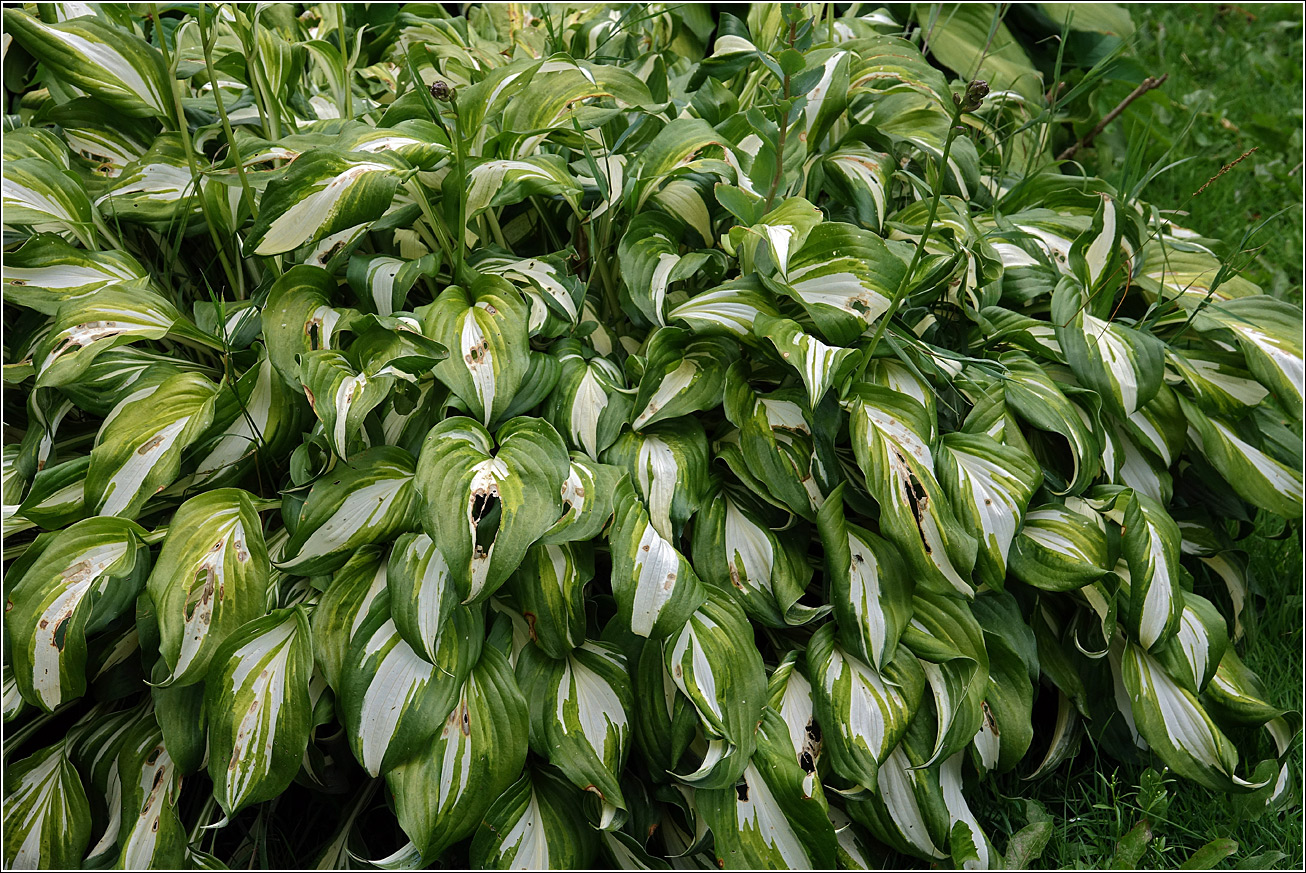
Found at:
(1034, 396)
(765, 568)
(341, 397)
(907, 810)
(819, 365)
(947, 638)
(1059, 549)
(1195, 653)
(1123, 365)
(422, 594)
(775, 818)
(486, 507)
(1268, 332)
(157, 189)
(322, 193)
(152, 834)
(989, 485)
(730, 309)
(137, 451)
(485, 328)
(1176, 725)
(46, 271)
(861, 177)
(862, 712)
(443, 792)
(536, 824)
(869, 587)
(211, 578)
(47, 820)
(351, 596)
(259, 711)
(779, 445)
(682, 375)
(549, 591)
(587, 497)
(891, 440)
(668, 465)
(114, 65)
(257, 418)
(590, 403)
(713, 661)
(504, 182)
(656, 589)
(580, 717)
(68, 585)
(393, 700)
(1150, 542)
(382, 283)
(844, 277)
(370, 500)
(44, 196)
(84, 327)
(1253, 474)
(650, 259)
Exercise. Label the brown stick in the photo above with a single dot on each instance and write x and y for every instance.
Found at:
(1147, 85)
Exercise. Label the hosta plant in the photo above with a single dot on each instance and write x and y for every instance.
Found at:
(554, 437)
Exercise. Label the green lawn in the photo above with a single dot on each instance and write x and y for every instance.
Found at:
(1235, 83)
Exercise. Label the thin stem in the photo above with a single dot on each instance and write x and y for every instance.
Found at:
(495, 230)
(346, 67)
(1085, 141)
(424, 203)
(247, 192)
(184, 129)
(269, 111)
(460, 167)
(784, 129)
(901, 292)
(206, 812)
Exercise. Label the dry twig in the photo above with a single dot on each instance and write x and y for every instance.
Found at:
(1084, 142)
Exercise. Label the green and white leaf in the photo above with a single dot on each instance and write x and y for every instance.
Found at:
(464, 481)
(656, 589)
(112, 64)
(47, 819)
(259, 709)
(819, 365)
(324, 192)
(869, 587)
(863, 713)
(370, 500)
(989, 485)
(1059, 549)
(776, 817)
(590, 403)
(712, 663)
(393, 701)
(210, 579)
(74, 583)
(580, 717)
(137, 451)
(443, 792)
(485, 329)
(668, 465)
(536, 824)
(891, 439)
(1177, 727)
